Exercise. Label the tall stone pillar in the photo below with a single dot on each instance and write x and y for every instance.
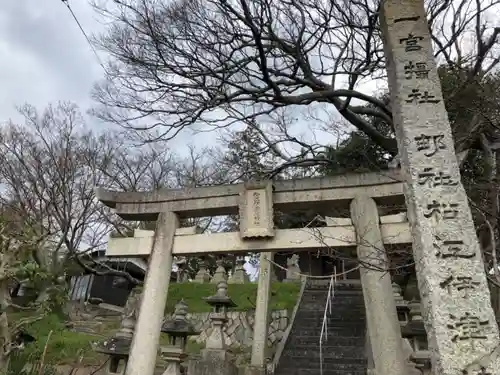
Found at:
(381, 316)
(462, 332)
(146, 340)
(261, 325)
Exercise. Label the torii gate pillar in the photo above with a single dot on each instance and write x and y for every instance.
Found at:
(144, 350)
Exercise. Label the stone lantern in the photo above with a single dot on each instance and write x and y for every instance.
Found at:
(220, 303)
(178, 330)
(417, 335)
(215, 358)
(401, 305)
(117, 347)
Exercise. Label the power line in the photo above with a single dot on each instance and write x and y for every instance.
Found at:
(66, 2)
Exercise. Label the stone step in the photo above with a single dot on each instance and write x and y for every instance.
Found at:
(354, 331)
(300, 371)
(329, 364)
(340, 299)
(329, 351)
(344, 303)
(333, 341)
(332, 321)
(337, 292)
(335, 315)
(319, 308)
(324, 283)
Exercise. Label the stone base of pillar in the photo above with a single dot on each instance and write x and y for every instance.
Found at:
(212, 362)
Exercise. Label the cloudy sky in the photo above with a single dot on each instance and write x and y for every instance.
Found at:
(45, 58)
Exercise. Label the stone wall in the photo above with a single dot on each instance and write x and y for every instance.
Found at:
(239, 328)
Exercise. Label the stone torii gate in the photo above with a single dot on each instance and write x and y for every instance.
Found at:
(462, 333)
(255, 203)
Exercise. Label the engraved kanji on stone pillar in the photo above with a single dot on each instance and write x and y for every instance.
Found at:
(256, 210)
(462, 333)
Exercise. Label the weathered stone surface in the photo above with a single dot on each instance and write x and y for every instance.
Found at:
(462, 332)
(256, 210)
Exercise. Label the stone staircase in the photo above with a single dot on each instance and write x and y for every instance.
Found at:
(344, 350)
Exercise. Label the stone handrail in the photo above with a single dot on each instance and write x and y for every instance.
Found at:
(282, 343)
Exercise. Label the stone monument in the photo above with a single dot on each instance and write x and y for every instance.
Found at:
(182, 274)
(462, 332)
(220, 272)
(240, 276)
(202, 276)
(293, 269)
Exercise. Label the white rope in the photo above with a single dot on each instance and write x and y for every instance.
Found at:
(314, 277)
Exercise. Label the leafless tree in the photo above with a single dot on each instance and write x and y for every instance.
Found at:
(49, 173)
(51, 167)
(179, 64)
(184, 64)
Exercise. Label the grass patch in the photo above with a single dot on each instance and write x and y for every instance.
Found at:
(66, 347)
(283, 296)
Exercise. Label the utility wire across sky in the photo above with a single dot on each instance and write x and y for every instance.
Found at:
(66, 2)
